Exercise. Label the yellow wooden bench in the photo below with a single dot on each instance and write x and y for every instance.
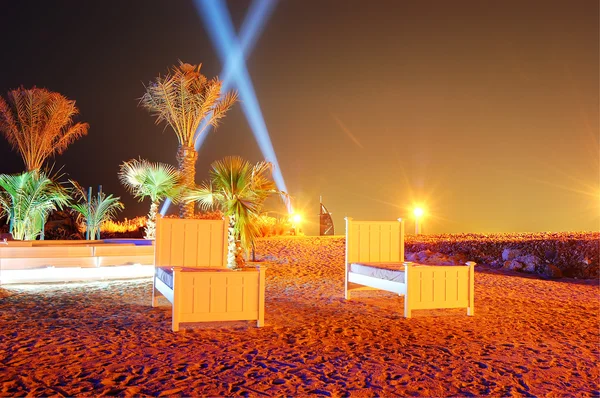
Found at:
(191, 273)
(375, 260)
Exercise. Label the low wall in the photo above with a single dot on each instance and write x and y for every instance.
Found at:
(568, 254)
(17, 255)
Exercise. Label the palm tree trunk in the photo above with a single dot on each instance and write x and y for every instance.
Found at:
(151, 223)
(186, 159)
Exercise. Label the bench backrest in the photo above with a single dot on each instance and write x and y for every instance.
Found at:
(374, 241)
(191, 243)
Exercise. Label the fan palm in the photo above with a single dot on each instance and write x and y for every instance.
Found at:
(183, 98)
(27, 199)
(239, 189)
(155, 180)
(39, 123)
(96, 211)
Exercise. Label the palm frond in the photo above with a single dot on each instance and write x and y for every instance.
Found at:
(205, 196)
(39, 123)
(72, 134)
(100, 209)
(183, 98)
(157, 181)
(154, 180)
(240, 190)
(8, 126)
(28, 198)
(78, 193)
(220, 108)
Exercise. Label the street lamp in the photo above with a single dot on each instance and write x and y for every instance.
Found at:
(418, 212)
(296, 220)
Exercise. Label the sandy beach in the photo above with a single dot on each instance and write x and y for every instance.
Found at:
(529, 337)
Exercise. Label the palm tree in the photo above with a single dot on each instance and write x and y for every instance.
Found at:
(96, 211)
(239, 189)
(156, 180)
(27, 199)
(183, 98)
(39, 123)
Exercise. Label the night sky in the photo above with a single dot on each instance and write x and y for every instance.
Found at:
(486, 111)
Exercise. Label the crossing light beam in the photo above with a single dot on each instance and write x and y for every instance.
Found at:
(233, 52)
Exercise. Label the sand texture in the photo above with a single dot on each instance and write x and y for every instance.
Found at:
(530, 337)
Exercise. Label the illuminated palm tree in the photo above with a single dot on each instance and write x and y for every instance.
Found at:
(239, 189)
(39, 123)
(156, 180)
(27, 199)
(183, 98)
(96, 210)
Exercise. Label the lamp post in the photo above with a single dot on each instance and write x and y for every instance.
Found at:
(418, 212)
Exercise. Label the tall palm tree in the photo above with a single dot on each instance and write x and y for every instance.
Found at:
(156, 180)
(98, 210)
(239, 189)
(39, 123)
(183, 98)
(27, 199)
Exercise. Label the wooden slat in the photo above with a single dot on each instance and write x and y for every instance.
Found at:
(252, 298)
(201, 294)
(218, 294)
(386, 245)
(364, 236)
(191, 251)
(204, 243)
(373, 241)
(235, 293)
(178, 247)
(452, 287)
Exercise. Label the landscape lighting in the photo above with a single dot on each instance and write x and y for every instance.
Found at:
(296, 219)
(419, 213)
(231, 52)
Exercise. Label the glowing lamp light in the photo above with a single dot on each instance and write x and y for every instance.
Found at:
(419, 213)
(296, 218)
